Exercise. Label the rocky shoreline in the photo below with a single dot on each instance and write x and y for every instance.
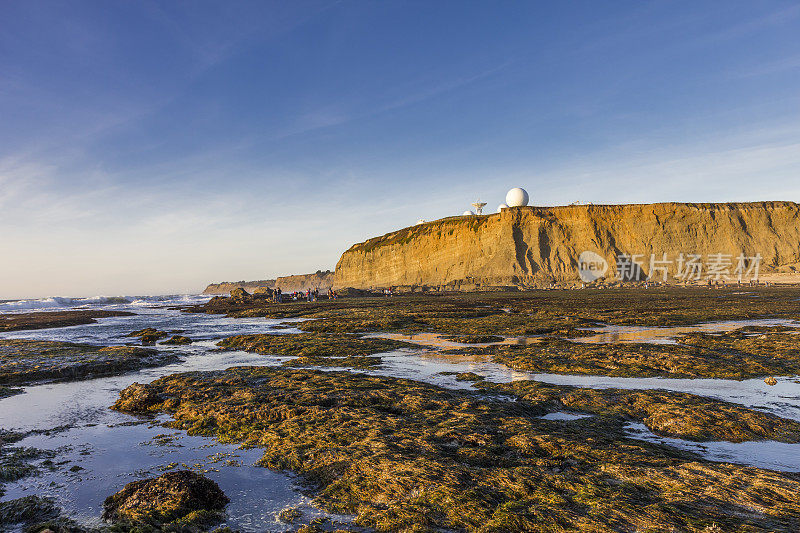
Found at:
(401, 453)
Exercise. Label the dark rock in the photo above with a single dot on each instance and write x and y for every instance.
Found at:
(24, 361)
(166, 498)
(53, 319)
(27, 510)
(149, 340)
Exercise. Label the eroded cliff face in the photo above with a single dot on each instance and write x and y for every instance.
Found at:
(535, 245)
(322, 280)
(225, 287)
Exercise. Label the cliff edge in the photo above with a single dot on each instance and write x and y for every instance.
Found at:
(531, 246)
(225, 287)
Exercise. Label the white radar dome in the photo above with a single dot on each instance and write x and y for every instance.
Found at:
(501, 207)
(421, 221)
(517, 197)
(467, 213)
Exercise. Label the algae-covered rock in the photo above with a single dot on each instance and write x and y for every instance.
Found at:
(167, 498)
(178, 340)
(136, 397)
(406, 456)
(54, 319)
(316, 349)
(147, 332)
(24, 361)
(25, 511)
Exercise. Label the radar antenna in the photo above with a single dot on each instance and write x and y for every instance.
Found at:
(478, 207)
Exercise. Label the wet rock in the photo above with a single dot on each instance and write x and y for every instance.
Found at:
(316, 349)
(181, 495)
(24, 361)
(289, 515)
(136, 397)
(149, 340)
(27, 510)
(149, 336)
(146, 332)
(178, 340)
(53, 319)
(469, 376)
(771, 381)
(390, 451)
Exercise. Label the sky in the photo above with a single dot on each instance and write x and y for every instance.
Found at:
(154, 147)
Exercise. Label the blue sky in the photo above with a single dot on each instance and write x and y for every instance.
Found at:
(152, 147)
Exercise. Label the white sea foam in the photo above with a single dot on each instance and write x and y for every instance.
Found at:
(57, 303)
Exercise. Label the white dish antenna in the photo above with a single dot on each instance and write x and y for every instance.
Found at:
(479, 206)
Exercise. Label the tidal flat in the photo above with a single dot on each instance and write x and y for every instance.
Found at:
(402, 455)
(586, 410)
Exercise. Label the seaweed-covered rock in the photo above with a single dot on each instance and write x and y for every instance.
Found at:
(25, 361)
(148, 332)
(27, 510)
(402, 455)
(136, 397)
(166, 498)
(178, 340)
(316, 349)
(54, 319)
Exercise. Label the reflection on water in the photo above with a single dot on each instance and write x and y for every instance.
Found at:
(667, 335)
(762, 454)
(101, 450)
(96, 461)
(782, 399)
(439, 340)
(564, 417)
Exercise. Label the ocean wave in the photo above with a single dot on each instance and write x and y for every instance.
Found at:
(56, 303)
(175, 299)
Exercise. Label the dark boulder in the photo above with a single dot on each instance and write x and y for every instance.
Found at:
(166, 498)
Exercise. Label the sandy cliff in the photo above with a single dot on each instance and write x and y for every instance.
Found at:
(535, 245)
(322, 280)
(225, 287)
